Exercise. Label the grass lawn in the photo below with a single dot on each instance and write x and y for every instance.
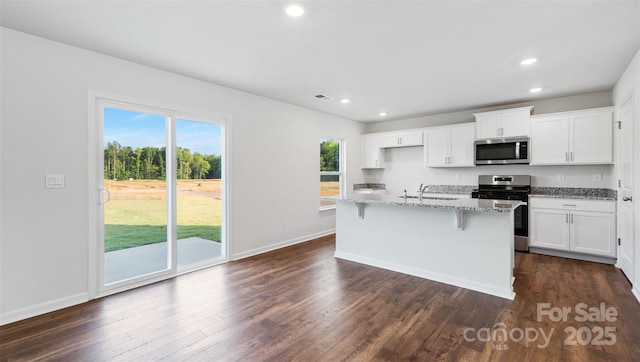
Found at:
(136, 214)
(127, 236)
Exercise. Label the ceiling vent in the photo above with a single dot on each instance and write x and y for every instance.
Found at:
(323, 97)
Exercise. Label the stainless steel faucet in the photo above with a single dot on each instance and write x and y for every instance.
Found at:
(421, 190)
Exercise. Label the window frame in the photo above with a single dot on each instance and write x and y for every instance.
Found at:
(341, 173)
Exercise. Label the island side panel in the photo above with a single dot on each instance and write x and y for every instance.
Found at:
(422, 241)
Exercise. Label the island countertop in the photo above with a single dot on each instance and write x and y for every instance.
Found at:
(464, 204)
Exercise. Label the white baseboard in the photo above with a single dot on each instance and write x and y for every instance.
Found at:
(462, 283)
(577, 256)
(636, 293)
(282, 244)
(42, 308)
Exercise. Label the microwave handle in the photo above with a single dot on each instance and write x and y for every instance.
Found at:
(517, 150)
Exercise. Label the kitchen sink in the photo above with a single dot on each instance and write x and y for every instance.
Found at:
(430, 198)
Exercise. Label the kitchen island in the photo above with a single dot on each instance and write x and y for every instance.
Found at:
(462, 242)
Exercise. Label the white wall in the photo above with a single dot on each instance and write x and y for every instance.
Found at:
(630, 82)
(44, 234)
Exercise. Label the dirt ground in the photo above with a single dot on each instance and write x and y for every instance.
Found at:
(155, 189)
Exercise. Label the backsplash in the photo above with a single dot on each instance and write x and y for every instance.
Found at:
(451, 189)
(372, 186)
(577, 192)
(404, 169)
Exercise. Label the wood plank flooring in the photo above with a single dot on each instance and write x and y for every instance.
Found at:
(300, 303)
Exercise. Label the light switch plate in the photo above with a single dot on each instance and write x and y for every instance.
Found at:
(54, 181)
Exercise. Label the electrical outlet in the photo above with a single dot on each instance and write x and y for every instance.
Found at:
(597, 177)
(561, 177)
(458, 177)
(285, 222)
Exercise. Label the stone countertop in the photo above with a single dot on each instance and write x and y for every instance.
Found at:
(464, 204)
(574, 193)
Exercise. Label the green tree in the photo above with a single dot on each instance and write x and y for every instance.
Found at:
(184, 159)
(148, 156)
(215, 171)
(330, 155)
(113, 150)
(199, 166)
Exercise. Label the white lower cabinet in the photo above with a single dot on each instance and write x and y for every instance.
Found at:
(579, 226)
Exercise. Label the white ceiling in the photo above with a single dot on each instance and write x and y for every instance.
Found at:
(406, 58)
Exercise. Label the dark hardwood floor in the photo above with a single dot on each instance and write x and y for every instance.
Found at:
(300, 303)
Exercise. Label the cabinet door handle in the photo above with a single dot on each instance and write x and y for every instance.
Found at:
(566, 218)
(627, 198)
(572, 205)
(572, 218)
(566, 156)
(571, 156)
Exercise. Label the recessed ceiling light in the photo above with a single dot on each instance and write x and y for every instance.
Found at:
(535, 90)
(344, 100)
(294, 10)
(529, 61)
(382, 114)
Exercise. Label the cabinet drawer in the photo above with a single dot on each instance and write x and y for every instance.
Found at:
(573, 204)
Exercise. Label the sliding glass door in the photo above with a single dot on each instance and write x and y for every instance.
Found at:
(198, 193)
(135, 182)
(161, 201)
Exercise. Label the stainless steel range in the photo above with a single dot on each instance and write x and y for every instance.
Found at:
(509, 187)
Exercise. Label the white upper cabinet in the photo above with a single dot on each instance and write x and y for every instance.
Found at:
(449, 146)
(578, 137)
(401, 139)
(504, 123)
(372, 155)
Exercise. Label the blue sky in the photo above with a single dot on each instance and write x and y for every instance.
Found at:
(136, 129)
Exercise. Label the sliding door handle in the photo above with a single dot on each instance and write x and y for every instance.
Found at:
(628, 198)
(102, 200)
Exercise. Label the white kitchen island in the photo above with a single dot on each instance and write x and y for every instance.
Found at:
(462, 242)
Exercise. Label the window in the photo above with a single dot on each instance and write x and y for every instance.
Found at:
(331, 174)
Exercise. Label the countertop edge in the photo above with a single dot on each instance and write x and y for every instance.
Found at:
(447, 205)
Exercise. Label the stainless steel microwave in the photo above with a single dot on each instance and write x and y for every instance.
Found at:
(502, 151)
